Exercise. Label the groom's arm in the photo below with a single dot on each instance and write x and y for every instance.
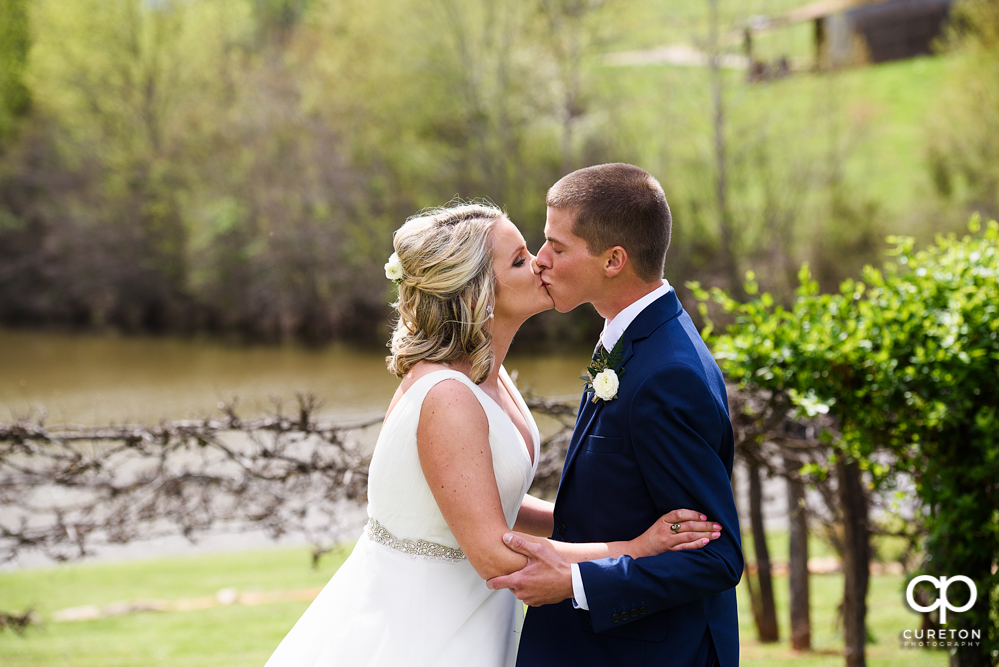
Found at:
(676, 426)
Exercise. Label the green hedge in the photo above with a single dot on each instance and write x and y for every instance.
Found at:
(907, 360)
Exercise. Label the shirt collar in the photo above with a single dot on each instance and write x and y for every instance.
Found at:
(615, 328)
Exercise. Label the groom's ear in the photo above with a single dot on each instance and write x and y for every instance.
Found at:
(615, 259)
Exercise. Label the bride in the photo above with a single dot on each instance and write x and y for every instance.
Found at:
(455, 457)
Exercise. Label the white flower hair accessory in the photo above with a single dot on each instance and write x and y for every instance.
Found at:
(393, 269)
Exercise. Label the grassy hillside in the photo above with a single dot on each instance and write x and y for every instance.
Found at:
(819, 163)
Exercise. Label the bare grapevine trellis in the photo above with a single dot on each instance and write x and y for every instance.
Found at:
(65, 490)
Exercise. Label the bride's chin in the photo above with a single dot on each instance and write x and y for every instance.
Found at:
(542, 307)
(538, 308)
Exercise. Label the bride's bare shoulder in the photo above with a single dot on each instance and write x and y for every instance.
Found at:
(451, 416)
(420, 370)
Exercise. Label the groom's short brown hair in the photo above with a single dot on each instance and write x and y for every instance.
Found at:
(618, 204)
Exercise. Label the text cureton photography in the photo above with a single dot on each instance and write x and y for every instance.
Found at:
(941, 637)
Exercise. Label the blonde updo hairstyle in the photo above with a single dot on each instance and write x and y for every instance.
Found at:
(446, 287)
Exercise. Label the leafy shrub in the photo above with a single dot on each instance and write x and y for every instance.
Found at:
(907, 359)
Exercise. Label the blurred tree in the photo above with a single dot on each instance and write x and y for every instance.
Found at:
(964, 131)
(799, 602)
(276, 19)
(494, 103)
(239, 165)
(455, 99)
(570, 39)
(15, 99)
(115, 79)
(205, 195)
(726, 231)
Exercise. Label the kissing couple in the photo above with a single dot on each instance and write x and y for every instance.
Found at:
(614, 573)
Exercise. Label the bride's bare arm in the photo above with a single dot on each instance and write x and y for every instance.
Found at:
(693, 532)
(535, 517)
(548, 576)
(453, 443)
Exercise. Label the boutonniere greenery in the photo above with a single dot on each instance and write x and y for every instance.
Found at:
(601, 378)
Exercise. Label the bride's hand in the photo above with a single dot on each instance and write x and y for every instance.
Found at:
(693, 532)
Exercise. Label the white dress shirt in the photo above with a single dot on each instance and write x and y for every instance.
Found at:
(613, 330)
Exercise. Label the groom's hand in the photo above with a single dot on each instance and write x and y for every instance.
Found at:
(546, 579)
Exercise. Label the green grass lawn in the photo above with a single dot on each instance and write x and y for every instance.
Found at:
(234, 635)
(246, 635)
(886, 549)
(888, 616)
(49, 589)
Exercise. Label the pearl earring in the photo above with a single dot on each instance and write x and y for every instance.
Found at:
(489, 309)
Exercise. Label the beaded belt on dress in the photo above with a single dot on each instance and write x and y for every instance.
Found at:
(377, 533)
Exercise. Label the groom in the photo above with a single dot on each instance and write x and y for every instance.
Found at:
(662, 440)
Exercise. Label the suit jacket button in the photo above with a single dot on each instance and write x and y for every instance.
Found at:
(560, 528)
(615, 618)
(633, 613)
(643, 611)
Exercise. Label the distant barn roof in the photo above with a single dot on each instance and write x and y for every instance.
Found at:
(823, 8)
(818, 10)
(857, 31)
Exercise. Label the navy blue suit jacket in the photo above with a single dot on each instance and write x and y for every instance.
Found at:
(664, 443)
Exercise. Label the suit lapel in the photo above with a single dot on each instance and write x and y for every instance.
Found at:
(588, 412)
(661, 310)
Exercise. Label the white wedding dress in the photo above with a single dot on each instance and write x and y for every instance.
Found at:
(407, 595)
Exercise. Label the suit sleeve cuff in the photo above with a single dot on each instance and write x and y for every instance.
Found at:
(578, 593)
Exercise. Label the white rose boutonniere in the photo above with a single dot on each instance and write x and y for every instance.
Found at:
(605, 385)
(393, 268)
(601, 378)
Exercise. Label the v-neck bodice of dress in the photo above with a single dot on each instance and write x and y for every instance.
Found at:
(400, 499)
